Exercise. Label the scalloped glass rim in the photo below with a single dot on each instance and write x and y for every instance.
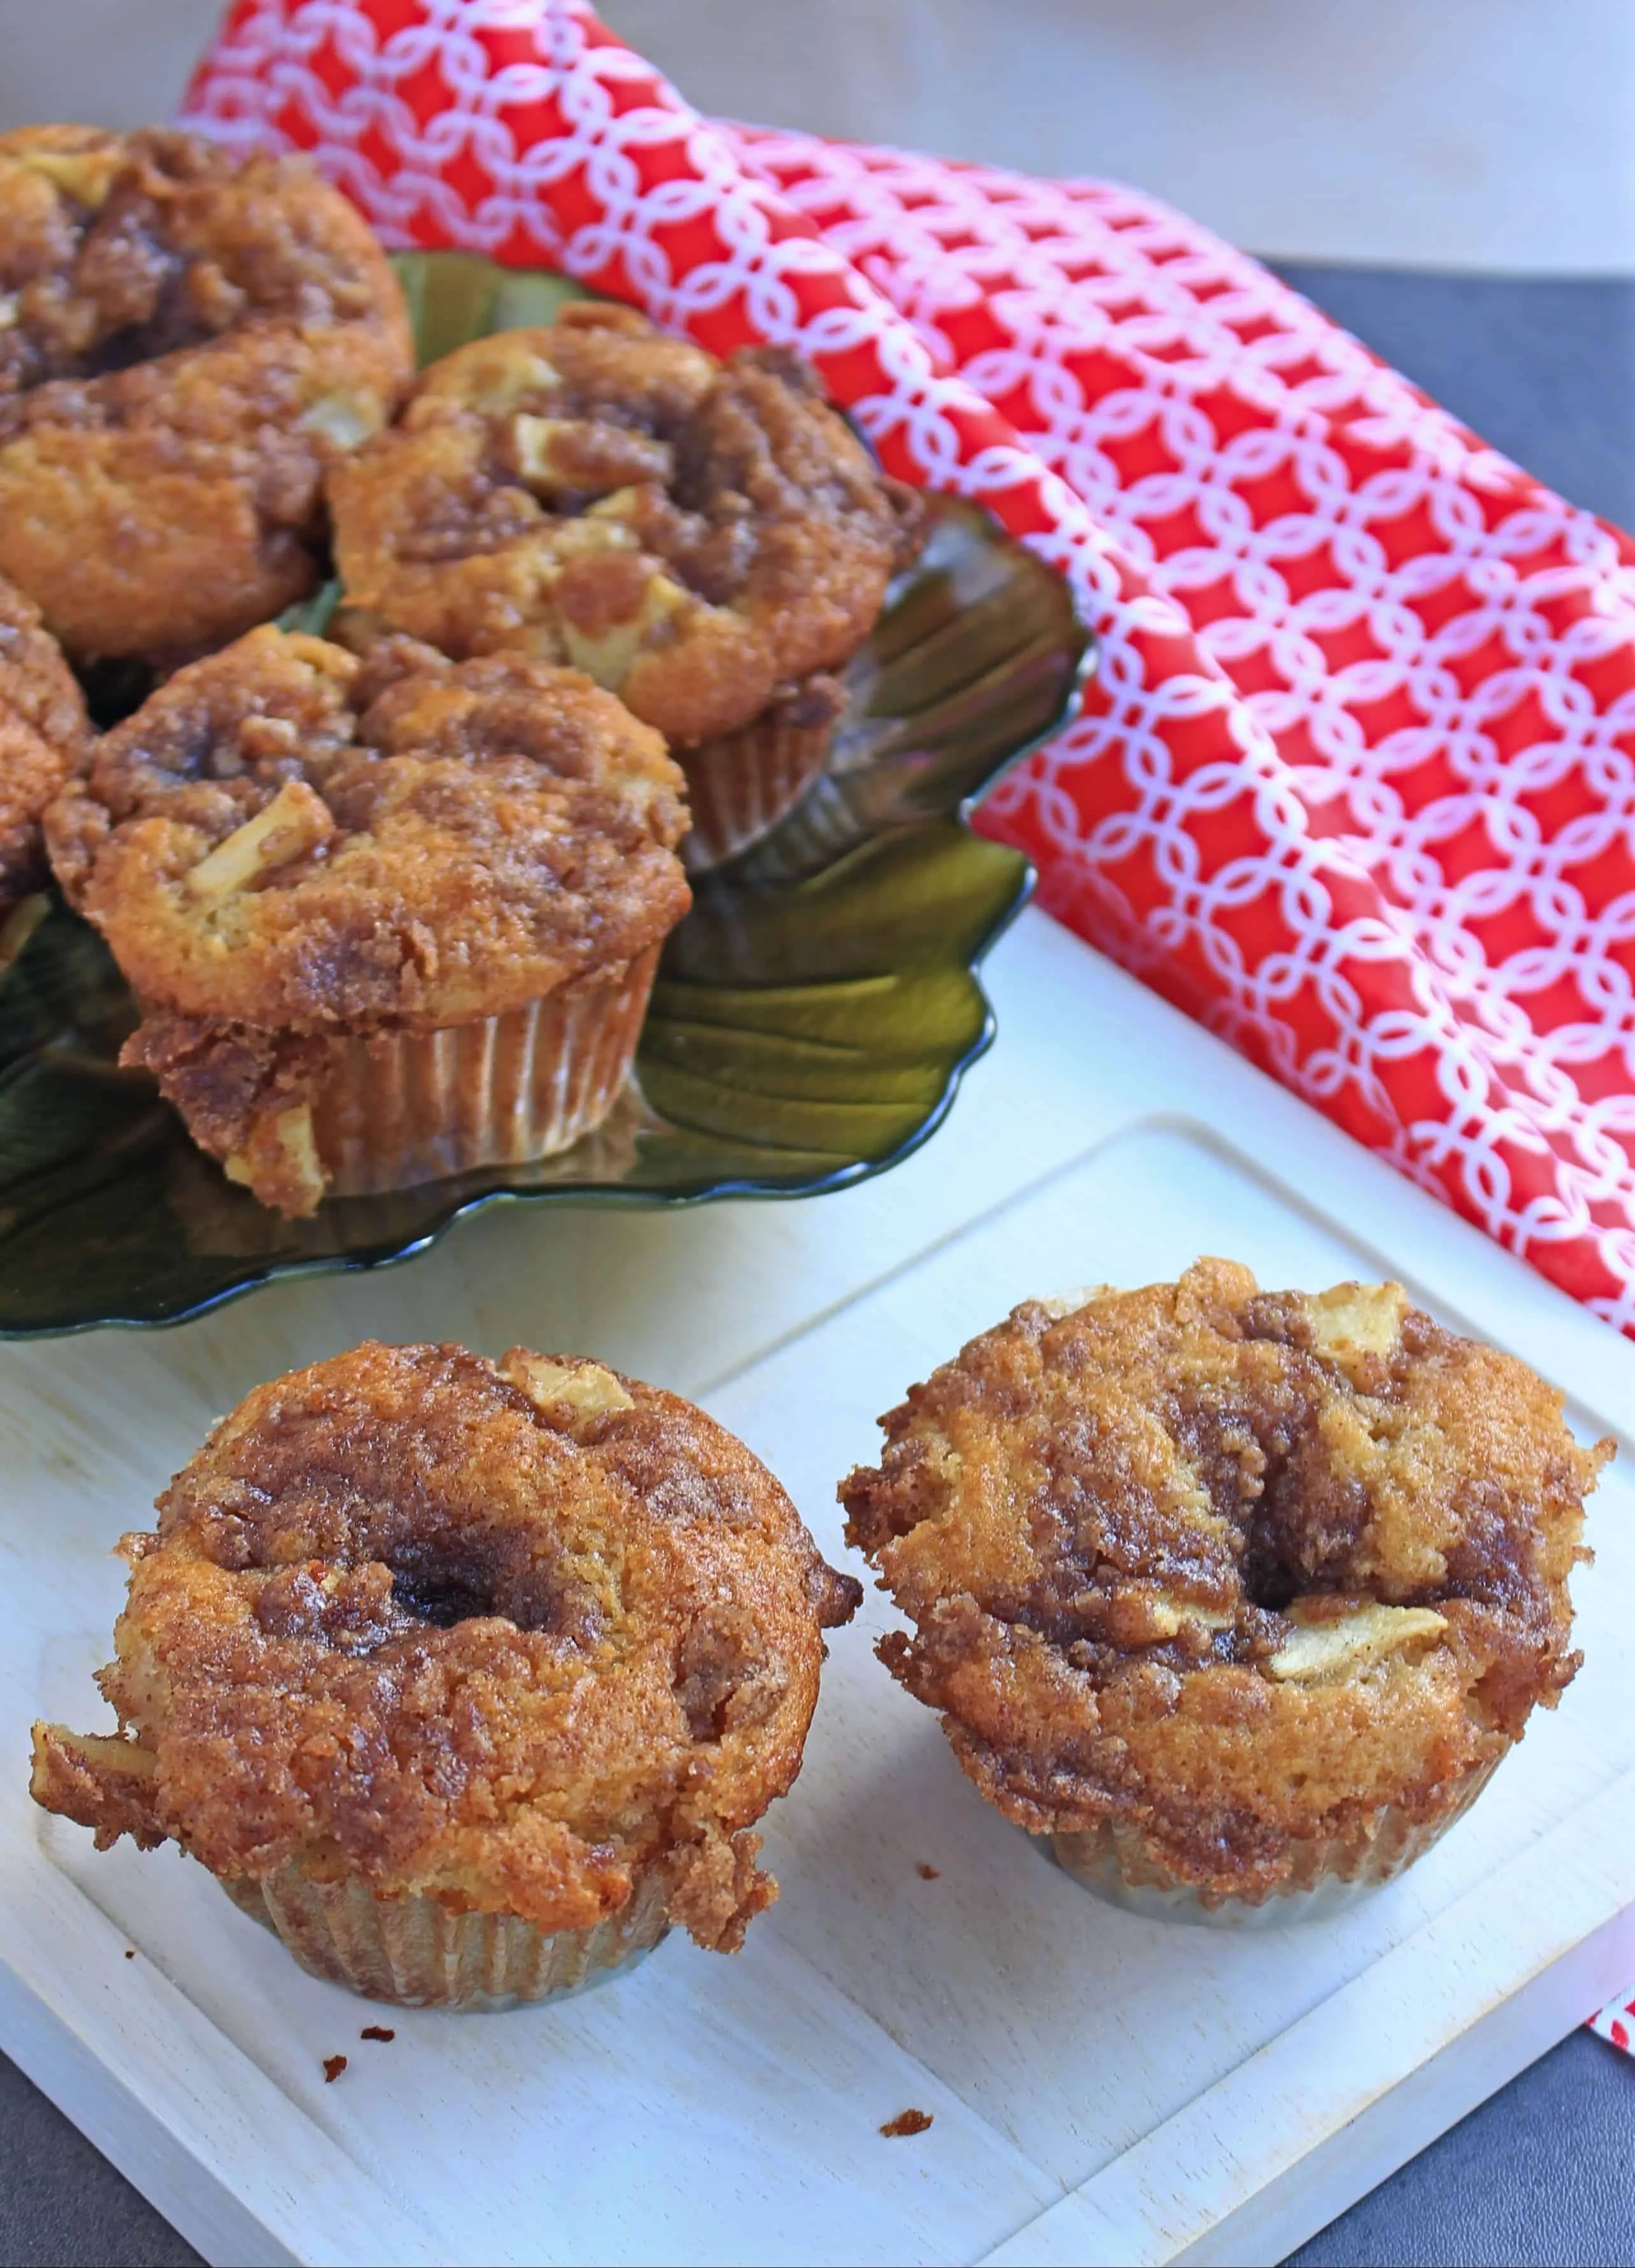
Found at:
(814, 1015)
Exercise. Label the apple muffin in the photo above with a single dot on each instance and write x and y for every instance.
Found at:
(45, 737)
(709, 541)
(467, 1677)
(188, 341)
(1236, 1594)
(385, 920)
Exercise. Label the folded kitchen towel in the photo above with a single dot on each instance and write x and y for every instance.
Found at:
(1355, 781)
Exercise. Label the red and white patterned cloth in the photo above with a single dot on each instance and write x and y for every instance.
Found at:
(1616, 2022)
(1355, 783)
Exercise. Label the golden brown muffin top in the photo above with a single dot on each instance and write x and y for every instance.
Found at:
(700, 538)
(185, 336)
(1232, 1567)
(119, 249)
(285, 837)
(506, 1634)
(44, 739)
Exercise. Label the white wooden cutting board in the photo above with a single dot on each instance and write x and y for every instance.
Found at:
(1102, 2089)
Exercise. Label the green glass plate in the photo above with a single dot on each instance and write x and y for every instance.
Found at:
(812, 1019)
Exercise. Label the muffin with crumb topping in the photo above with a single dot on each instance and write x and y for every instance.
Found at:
(45, 736)
(1238, 1595)
(386, 920)
(711, 541)
(467, 1678)
(189, 339)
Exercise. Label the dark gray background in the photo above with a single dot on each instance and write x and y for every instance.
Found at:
(1545, 2171)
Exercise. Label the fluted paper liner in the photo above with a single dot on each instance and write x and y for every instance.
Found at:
(1116, 1861)
(402, 1107)
(416, 1952)
(739, 785)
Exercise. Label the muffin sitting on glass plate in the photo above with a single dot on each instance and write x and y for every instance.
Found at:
(709, 541)
(385, 920)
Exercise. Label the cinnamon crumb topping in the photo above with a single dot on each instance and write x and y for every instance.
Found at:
(702, 539)
(405, 1621)
(189, 338)
(284, 845)
(1232, 1567)
(45, 737)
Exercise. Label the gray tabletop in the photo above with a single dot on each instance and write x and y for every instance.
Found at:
(1541, 2174)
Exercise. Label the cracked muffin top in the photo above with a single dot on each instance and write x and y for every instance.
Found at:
(508, 1634)
(285, 837)
(701, 538)
(188, 340)
(44, 738)
(1232, 1567)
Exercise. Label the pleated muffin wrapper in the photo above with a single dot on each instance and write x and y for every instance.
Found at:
(741, 785)
(400, 1108)
(414, 1953)
(1330, 1873)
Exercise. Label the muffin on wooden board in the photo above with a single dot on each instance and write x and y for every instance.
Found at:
(1237, 1594)
(188, 341)
(711, 541)
(467, 1677)
(386, 921)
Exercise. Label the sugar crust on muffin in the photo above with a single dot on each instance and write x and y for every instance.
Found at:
(188, 341)
(1233, 1569)
(510, 1635)
(704, 539)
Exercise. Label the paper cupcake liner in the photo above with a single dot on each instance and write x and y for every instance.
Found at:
(400, 1108)
(740, 785)
(1116, 1862)
(416, 1953)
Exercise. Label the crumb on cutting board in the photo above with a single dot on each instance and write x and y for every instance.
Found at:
(131, 1953)
(334, 2065)
(377, 2032)
(928, 1873)
(907, 2122)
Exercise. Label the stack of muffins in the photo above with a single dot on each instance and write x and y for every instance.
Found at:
(470, 1678)
(391, 906)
